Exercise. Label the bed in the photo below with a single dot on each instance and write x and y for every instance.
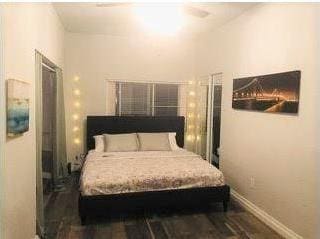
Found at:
(124, 181)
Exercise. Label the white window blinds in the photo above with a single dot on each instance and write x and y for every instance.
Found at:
(165, 100)
(146, 99)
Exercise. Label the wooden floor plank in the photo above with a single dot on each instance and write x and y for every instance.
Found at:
(138, 229)
(62, 222)
(219, 222)
(118, 230)
(158, 230)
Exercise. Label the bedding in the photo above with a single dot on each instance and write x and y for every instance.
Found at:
(173, 141)
(154, 141)
(99, 143)
(123, 172)
(121, 142)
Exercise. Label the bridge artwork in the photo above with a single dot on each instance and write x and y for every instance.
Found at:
(269, 93)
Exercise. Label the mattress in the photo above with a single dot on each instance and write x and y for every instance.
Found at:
(106, 173)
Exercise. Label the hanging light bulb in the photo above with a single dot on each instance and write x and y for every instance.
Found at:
(192, 105)
(75, 116)
(190, 115)
(192, 93)
(77, 141)
(76, 78)
(76, 92)
(75, 129)
(77, 104)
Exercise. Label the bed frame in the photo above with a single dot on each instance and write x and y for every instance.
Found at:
(101, 205)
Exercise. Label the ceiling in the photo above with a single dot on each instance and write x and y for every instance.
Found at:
(120, 20)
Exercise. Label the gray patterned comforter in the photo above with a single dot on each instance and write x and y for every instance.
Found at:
(123, 172)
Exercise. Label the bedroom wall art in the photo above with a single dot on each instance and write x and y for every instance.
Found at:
(276, 93)
(17, 107)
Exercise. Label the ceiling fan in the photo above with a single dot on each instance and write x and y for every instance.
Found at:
(187, 8)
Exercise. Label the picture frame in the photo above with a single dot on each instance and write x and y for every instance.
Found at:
(273, 93)
(18, 107)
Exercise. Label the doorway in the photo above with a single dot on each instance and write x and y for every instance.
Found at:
(48, 131)
(50, 136)
(214, 118)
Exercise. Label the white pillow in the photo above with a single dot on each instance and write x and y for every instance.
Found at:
(154, 142)
(121, 142)
(99, 143)
(173, 141)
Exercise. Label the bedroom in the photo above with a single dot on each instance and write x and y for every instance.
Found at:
(267, 159)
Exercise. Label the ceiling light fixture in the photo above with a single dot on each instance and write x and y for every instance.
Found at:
(165, 19)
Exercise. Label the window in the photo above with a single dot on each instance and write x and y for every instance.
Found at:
(165, 100)
(136, 99)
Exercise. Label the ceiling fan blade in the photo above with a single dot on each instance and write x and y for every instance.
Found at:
(196, 12)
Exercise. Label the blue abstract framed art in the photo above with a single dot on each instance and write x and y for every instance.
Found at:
(18, 101)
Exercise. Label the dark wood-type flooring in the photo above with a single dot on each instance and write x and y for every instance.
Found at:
(62, 221)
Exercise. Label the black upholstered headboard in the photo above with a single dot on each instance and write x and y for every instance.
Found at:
(97, 125)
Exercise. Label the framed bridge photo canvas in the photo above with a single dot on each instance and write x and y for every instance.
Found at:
(275, 93)
(17, 107)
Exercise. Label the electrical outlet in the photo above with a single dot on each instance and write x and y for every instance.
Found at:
(252, 182)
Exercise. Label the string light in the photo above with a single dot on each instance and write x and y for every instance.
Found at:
(75, 129)
(75, 116)
(77, 104)
(190, 115)
(76, 92)
(192, 105)
(77, 141)
(190, 137)
(192, 93)
(76, 78)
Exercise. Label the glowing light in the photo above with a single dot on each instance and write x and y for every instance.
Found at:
(75, 129)
(190, 82)
(76, 78)
(198, 138)
(192, 105)
(77, 141)
(191, 126)
(76, 92)
(77, 104)
(198, 115)
(192, 93)
(190, 115)
(75, 116)
(165, 19)
(190, 137)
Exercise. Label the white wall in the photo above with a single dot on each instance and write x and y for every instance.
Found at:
(94, 58)
(25, 27)
(278, 150)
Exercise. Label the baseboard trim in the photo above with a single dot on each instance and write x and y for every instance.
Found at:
(265, 217)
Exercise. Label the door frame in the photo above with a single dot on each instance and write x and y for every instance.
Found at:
(215, 79)
(40, 61)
